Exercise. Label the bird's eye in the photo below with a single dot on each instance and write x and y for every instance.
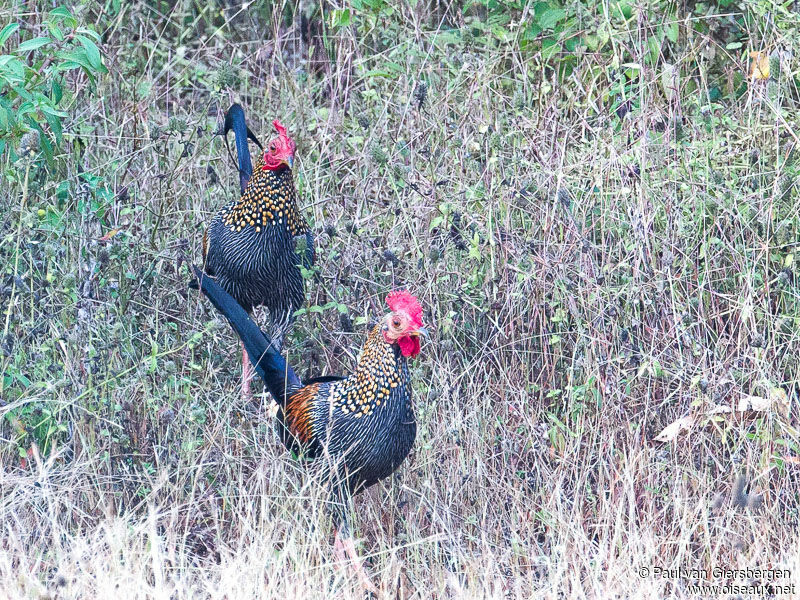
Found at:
(396, 322)
(272, 147)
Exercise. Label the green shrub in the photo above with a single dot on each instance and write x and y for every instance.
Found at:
(32, 79)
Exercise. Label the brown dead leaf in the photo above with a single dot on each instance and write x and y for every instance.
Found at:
(759, 67)
(672, 430)
(756, 403)
(780, 400)
(110, 235)
(753, 403)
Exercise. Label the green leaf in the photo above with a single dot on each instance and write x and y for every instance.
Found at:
(55, 31)
(623, 9)
(550, 47)
(539, 9)
(75, 58)
(7, 32)
(52, 111)
(571, 43)
(474, 250)
(44, 143)
(55, 125)
(531, 31)
(11, 69)
(92, 53)
(91, 33)
(654, 49)
(672, 32)
(33, 44)
(22, 93)
(56, 91)
(551, 17)
(62, 13)
(341, 17)
(25, 108)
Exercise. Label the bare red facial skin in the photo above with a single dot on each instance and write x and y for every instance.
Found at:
(403, 302)
(409, 346)
(280, 152)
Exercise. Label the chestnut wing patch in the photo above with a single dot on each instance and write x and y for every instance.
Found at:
(298, 413)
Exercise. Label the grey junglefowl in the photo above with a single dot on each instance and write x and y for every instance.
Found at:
(250, 245)
(356, 429)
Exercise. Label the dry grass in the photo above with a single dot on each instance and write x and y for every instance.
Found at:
(590, 279)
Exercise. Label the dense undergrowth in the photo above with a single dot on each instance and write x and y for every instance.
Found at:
(596, 204)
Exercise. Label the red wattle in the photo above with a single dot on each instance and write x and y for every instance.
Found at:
(409, 345)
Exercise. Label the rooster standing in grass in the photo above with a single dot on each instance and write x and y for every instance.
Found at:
(249, 248)
(357, 429)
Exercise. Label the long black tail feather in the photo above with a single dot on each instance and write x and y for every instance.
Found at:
(234, 120)
(278, 376)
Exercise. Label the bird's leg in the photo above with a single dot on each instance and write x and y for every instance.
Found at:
(247, 376)
(345, 549)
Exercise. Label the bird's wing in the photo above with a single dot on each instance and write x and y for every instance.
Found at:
(299, 414)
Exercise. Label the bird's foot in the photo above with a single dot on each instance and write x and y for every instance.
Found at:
(345, 551)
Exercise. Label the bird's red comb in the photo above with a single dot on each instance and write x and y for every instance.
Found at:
(280, 128)
(402, 300)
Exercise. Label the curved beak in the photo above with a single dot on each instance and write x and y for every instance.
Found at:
(289, 162)
(422, 331)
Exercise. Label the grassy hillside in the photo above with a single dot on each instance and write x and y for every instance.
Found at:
(597, 205)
